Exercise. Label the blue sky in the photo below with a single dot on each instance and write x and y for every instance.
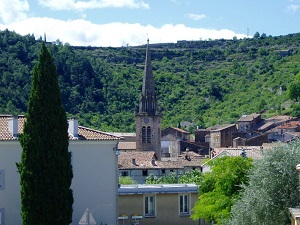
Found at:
(130, 22)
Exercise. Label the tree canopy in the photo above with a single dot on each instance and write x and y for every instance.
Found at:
(189, 177)
(220, 188)
(45, 168)
(273, 187)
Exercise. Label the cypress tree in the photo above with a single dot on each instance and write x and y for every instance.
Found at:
(45, 168)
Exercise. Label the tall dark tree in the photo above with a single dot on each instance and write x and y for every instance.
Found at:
(45, 168)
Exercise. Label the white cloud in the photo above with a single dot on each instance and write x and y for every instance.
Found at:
(92, 4)
(293, 8)
(196, 16)
(13, 10)
(84, 33)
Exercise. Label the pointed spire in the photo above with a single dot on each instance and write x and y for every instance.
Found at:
(148, 99)
(148, 82)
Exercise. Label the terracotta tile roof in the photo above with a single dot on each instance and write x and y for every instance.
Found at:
(252, 152)
(5, 134)
(292, 124)
(281, 118)
(180, 130)
(84, 133)
(124, 145)
(143, 160)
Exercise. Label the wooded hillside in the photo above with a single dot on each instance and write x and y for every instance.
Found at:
(204, 82)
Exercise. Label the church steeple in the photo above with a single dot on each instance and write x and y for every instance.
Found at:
(148, 81)
(148, 100)
(148, 115)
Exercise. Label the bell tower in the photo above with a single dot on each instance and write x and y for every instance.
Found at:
(148, 115)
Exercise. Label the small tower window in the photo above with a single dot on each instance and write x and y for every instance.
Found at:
(148, 134)
(143, 134)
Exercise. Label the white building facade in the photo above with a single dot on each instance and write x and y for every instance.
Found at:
(95, 181)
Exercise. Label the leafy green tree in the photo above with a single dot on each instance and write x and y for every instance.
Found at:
(295, 110)
(256, 35)
(220, 188)
(189, 177)
(273, 188)
(166, 179)
(45, 168)
(294, 90)
(261, 105)
(126, 180)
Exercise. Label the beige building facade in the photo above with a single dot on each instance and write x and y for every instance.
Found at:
(158, 204)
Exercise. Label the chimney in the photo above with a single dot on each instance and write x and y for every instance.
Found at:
(153, 162)
(73, 127)
(134, 162)
(13, 126)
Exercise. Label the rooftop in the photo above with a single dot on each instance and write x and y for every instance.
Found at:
(290, 125)
(84, 133)
(248, 118)
(157, 188)
(220, 127)
(147, 160)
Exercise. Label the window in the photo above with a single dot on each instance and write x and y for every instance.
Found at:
(150, 205)
(123, 174)
(2, 180)
(145, 172)
(184, 204)
(143, 134)
(2, 216)
(148, 134)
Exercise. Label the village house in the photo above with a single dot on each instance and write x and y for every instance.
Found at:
(158, 204)
(254, 152)
(94, 162)
(172, 141)
(247, 122)
(139, 165)
(221, 136)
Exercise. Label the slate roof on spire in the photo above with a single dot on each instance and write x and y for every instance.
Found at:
(148, 81)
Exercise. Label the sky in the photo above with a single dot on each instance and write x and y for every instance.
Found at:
(117, 23)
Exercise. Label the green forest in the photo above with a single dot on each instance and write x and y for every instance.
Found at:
(205, 82)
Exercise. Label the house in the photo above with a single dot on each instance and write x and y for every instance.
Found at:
(254, 152)
(221, 136)
(139, 165)
(127, 146)
(158, 204)
(175, 134)
(293, 126)
(247, 122)
(94, 162)
(200, 135)
(172, 139)
(254, 139)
